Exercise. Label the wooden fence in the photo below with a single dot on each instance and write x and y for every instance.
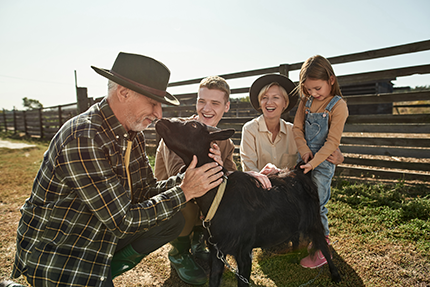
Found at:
(375, 144)
(43, 123)
(391, 146)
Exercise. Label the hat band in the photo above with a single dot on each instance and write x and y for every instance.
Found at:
(143, 87)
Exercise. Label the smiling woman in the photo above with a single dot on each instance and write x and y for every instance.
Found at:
(268, 138)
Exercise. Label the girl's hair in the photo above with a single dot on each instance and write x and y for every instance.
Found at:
(317, 68)
(267, 87)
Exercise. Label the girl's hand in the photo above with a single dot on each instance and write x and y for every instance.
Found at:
(307, 168)
(307, 157)
(336, 157)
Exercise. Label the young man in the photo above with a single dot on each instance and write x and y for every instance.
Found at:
(96, 209)
(212, 102)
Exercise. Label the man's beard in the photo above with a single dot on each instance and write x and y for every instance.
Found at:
(139, 125)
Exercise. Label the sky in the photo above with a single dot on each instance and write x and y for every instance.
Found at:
(43, 42)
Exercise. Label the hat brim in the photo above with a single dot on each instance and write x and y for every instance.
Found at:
(283, 81)
(168, 99)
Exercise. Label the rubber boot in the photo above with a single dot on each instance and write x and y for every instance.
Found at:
(198, 244)
(124, 260)
(7, 283)
(180, 257)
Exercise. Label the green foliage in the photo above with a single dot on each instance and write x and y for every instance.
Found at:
(398, 211)
(150, 152)
(380, 232)
(31, 104)
(421, 88)
(240, 100)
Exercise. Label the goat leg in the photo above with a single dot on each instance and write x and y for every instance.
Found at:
(244, 265)
(217, 269)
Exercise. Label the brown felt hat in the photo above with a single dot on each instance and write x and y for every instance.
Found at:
(282, 80)
(141, 74)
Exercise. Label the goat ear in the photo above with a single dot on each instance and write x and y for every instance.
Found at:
(222, 134)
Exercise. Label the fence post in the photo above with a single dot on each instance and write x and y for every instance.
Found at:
(15, 124)
(60, 117)
(24, 114)
(284, 69)
(82, 97)
(4, 119)
(41, 123)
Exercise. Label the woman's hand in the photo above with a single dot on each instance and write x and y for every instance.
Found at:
(269, 168)
(263, 179)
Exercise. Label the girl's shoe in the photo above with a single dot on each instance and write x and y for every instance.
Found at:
(317, 260)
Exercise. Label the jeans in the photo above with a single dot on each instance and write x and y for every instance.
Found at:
(322, 176)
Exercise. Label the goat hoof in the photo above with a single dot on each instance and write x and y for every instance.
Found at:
(336, 278)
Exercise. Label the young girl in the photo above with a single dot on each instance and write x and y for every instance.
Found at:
(318, 127)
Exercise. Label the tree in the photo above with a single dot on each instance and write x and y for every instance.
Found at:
(31, 104)
(421, 88)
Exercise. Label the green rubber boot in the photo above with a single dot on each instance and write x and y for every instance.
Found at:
(188, 270)
(7, 283)
(124, 260)
(198, 244)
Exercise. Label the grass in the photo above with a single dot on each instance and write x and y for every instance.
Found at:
(380, 234)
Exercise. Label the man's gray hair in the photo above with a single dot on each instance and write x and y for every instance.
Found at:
(111, 87)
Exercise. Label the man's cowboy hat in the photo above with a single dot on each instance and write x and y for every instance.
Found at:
(283, 81)
(141, 74)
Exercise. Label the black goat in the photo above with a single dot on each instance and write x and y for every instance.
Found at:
(248, 215)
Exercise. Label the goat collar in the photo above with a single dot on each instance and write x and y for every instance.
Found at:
(216, 201)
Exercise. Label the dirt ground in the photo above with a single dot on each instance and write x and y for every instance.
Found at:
(379, 263)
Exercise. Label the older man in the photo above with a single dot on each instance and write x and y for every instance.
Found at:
(96, 209)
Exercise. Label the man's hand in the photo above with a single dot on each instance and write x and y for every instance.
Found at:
(198, 181)
(336, 157)
(215, 154)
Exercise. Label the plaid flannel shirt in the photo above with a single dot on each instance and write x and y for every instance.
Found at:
(81, 205)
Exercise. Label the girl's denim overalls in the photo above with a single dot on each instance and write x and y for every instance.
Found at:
(316, 132)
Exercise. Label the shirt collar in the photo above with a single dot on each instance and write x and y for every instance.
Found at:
(262, 127)
(116, 128)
